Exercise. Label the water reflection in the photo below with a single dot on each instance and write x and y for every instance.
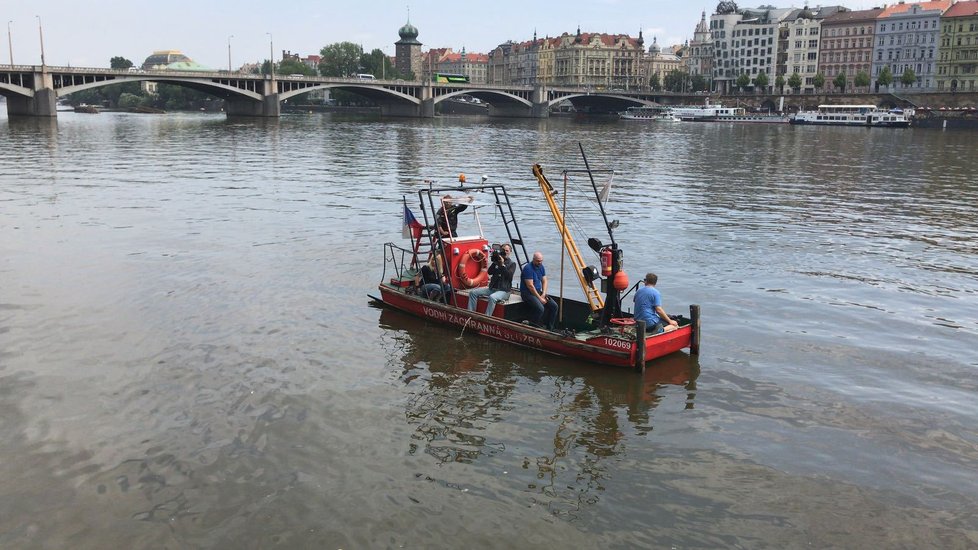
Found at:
(478, 402)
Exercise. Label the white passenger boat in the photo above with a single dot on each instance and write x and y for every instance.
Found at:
(695, 112)
(852, 115)
(736, 114)
(657, 113)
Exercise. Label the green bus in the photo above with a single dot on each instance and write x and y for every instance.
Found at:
(451, 78)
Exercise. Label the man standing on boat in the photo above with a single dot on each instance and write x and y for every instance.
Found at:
(533, 291)
(648, 307)
(501, 273)
(447, 218)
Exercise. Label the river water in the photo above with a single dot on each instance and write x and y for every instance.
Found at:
(188, 357)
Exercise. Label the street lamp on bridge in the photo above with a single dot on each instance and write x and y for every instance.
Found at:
(10, 44)
(271, 57)
(40, 32)
(229, 52)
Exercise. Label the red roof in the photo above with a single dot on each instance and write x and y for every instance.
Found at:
(904, 7)
(962, 9)
(469, 57)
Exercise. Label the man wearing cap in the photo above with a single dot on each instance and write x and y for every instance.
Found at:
(648, 307)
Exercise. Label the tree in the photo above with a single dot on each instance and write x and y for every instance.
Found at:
(818, 81)
(340, 59)
(676, 81)
(294, 66)
(885, 78)
(654, 81)
(861, 80)
(128, 101)
(779, 83)
(699, 83)
(761, 81)
(119, 62)
(378, 64)
(909, 78)
(840, 82)
(743, 81)
(794, 81)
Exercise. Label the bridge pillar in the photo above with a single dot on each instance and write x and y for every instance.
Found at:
(269, 106)
(43, 104)
(427, 108)
(541, 107)
(427, 101)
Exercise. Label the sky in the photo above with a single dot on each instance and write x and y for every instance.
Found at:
(88, 34)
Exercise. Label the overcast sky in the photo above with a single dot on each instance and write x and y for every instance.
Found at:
(88, 34)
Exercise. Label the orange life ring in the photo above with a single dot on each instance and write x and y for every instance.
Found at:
(480, 258)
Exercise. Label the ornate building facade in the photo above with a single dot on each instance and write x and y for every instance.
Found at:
(600, 61)
(698, 56)
(801, 35)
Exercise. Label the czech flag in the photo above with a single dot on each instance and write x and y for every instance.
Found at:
(412, 227)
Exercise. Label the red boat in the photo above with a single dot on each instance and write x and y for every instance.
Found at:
(595, 330)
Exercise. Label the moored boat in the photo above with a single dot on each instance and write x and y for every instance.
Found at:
(648, 113)
(852, 115)
(595, 329)
(738, 114)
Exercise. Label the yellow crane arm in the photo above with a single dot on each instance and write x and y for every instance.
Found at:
(593, 295)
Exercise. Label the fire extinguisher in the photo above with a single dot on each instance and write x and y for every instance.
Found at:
(606, 262)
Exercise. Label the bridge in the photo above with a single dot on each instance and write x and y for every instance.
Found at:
(33, 90)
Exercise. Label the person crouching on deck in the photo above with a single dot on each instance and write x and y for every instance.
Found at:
(432, 286)
(648, 307)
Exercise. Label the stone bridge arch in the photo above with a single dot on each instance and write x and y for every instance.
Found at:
(488, 95)
(206, 85)
(634, 101)
(372, 92)
(13, 90)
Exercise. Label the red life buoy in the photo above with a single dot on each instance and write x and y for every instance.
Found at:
(480, 259)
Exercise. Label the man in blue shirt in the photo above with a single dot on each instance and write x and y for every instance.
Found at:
(648, 307)
(533, 291)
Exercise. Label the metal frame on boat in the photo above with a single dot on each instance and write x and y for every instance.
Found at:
(596, 330)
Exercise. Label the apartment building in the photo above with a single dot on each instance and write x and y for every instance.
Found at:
(908, 38)
(957, 66)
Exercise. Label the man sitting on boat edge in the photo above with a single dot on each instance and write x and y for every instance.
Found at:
(533, 291)
(648, 307)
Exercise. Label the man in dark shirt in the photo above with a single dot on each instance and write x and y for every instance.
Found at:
(447, 218)
(501, 273)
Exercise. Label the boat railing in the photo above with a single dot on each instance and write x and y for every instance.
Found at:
(400, 259)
